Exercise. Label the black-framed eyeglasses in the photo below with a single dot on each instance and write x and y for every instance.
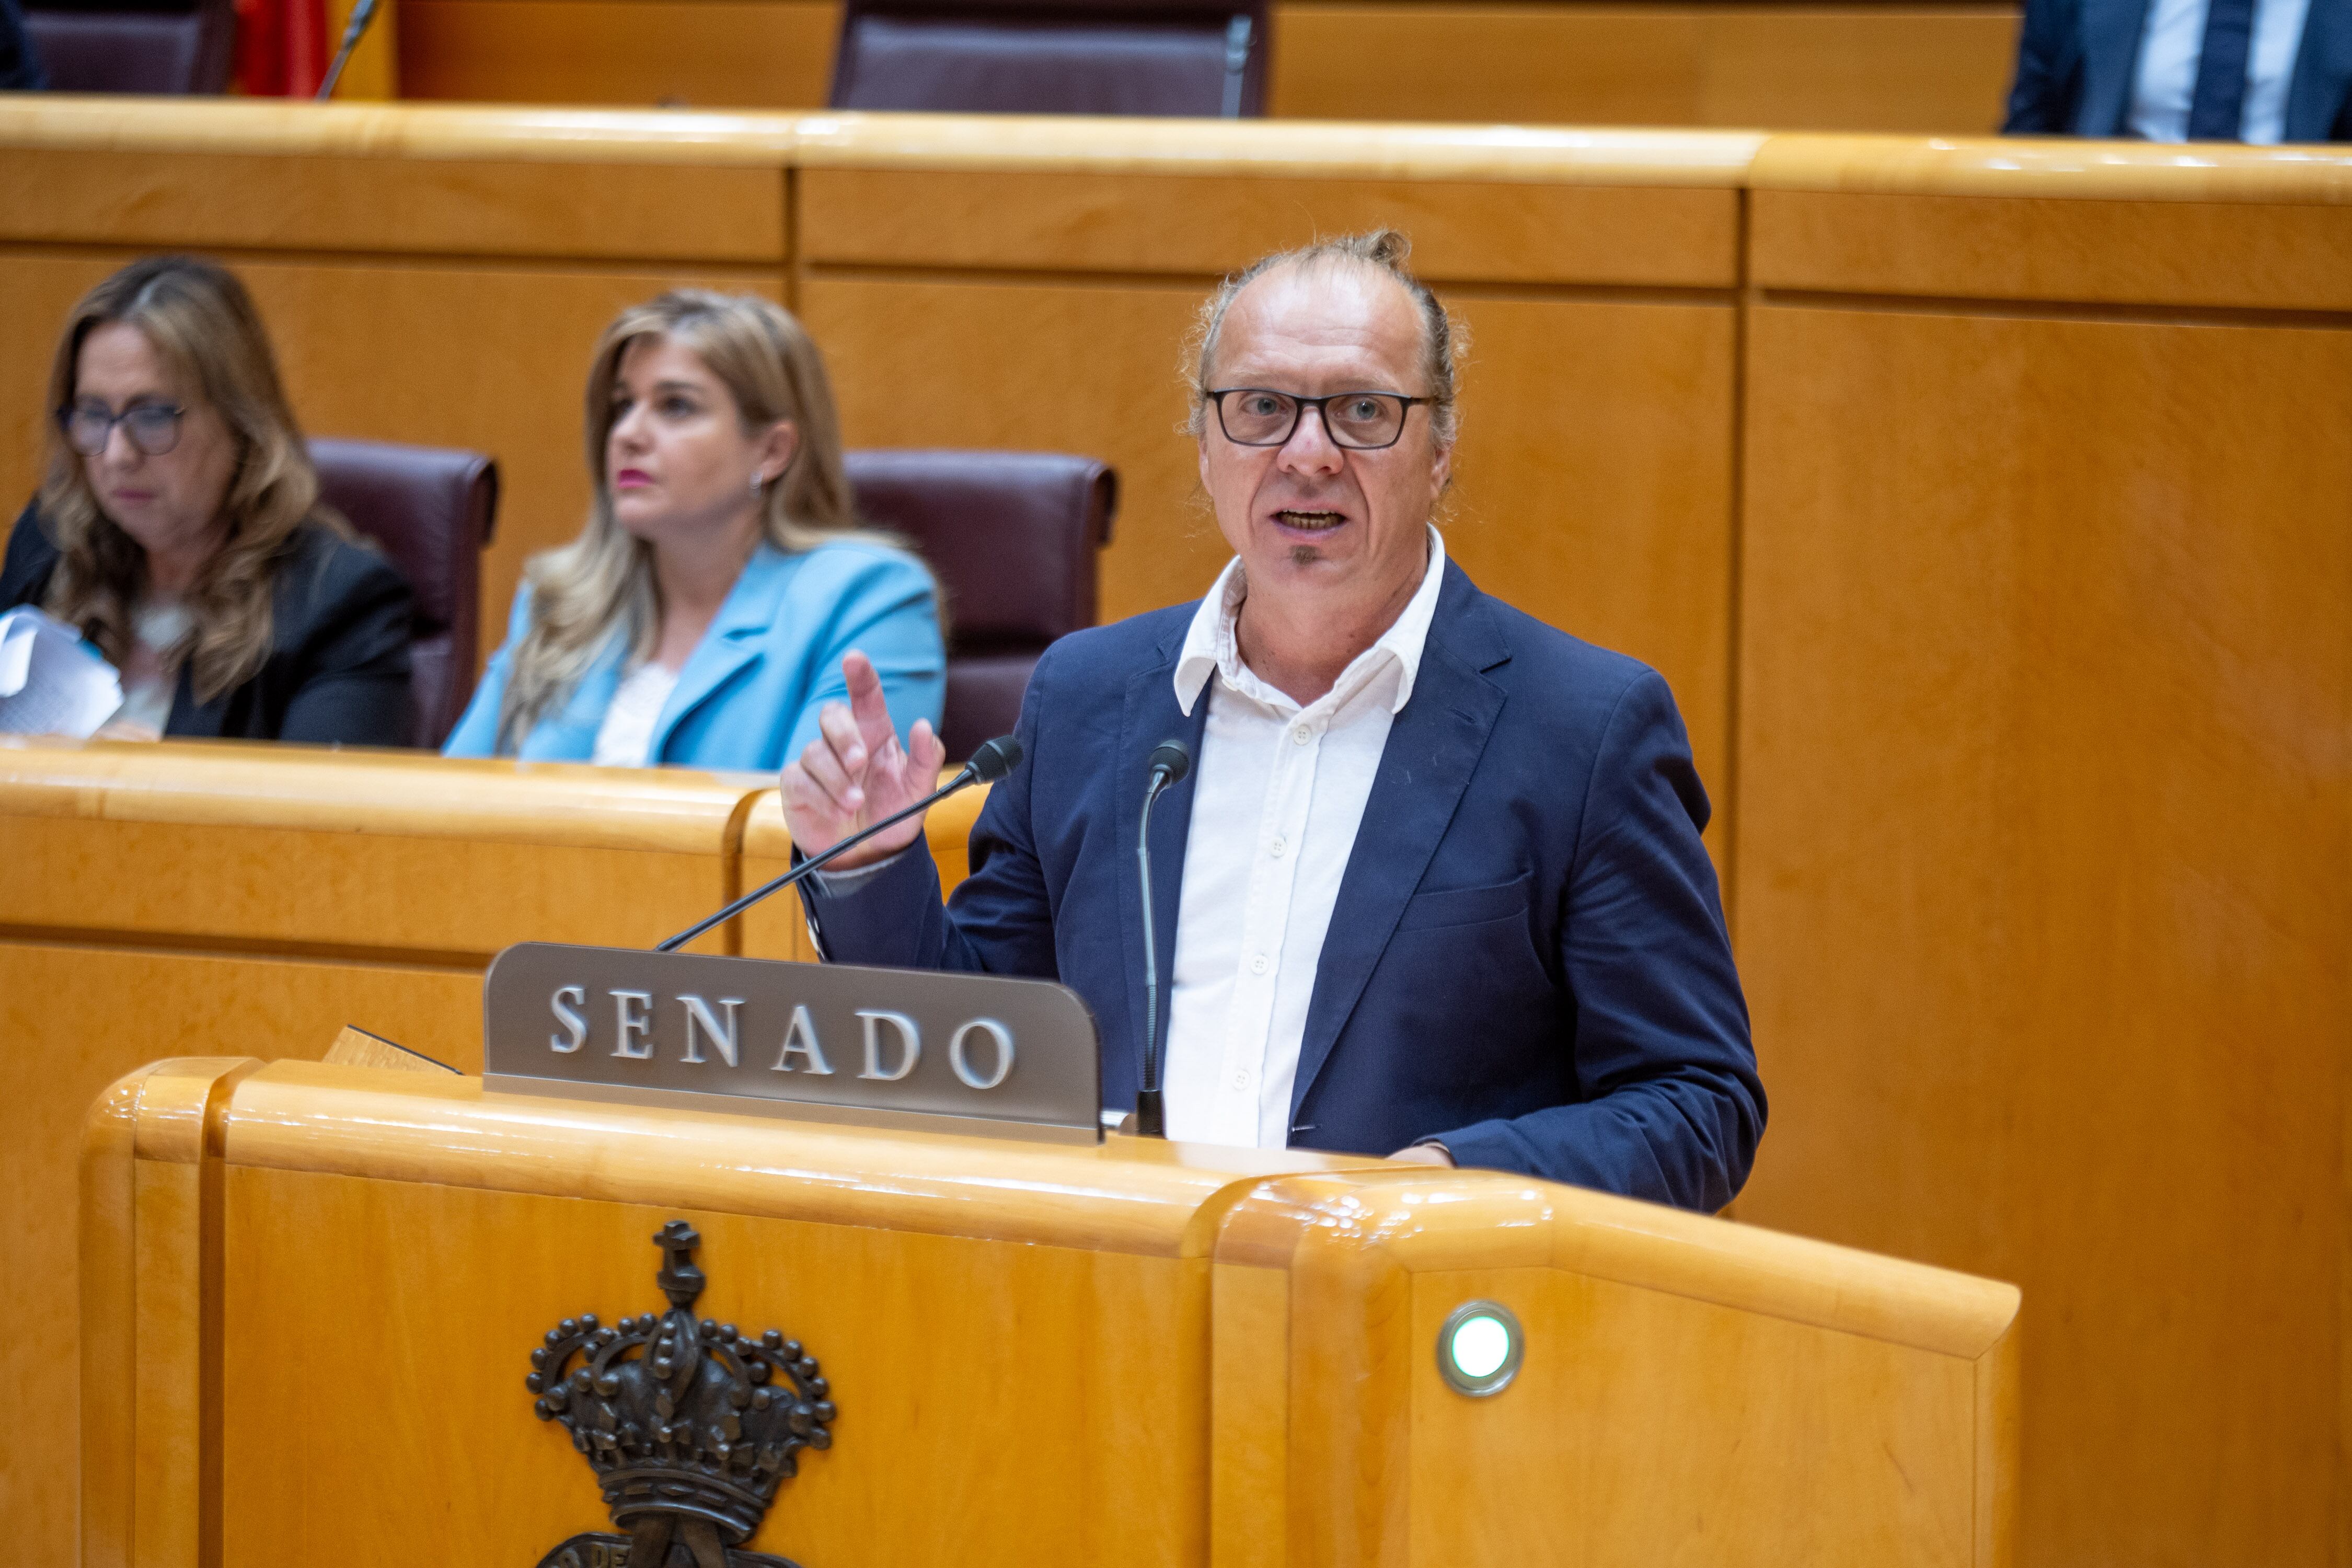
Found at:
(1261, 416)
(153, 428)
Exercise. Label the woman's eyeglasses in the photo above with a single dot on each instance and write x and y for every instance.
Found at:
(153, 428)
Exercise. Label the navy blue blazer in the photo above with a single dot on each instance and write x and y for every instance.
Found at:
(1527, 957)
(2076, 60)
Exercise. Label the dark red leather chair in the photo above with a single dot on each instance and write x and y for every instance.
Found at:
(431, 510)
(1052, 57)
(1011, 537)
(166, 48)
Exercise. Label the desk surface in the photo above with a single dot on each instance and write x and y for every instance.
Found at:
(1123, 1195)
(1282, 149)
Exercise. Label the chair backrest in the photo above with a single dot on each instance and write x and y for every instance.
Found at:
(187, 49)
(1052, 57)
(431, 510)
(1011, 537)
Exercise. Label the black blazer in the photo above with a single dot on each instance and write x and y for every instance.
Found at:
(2076, 60)
(338, 664)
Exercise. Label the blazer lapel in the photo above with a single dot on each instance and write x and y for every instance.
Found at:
(732, 642)
(1434, 747)
(190, 719)
(2111, 38)
(2323, 65)
(1152, 715)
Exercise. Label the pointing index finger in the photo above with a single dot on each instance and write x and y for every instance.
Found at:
(866, 703)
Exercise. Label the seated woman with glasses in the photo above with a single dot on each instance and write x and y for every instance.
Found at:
(703, 613)
(180, 529)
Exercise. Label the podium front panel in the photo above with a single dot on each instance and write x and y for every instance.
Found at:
(193, 897)
(312, 1292)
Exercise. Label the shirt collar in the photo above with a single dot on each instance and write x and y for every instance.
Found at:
(1211, 646)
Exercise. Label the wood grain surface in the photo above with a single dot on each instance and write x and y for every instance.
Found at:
(427, 206)
(2046, 693)
(1493, 231)
(78, 1011)
(400, 855)
(734, 54)
(221, 896)
(1022, 1339)
(1926, 68)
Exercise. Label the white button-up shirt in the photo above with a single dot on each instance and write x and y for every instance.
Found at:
(2172, 40)
(1277, 793)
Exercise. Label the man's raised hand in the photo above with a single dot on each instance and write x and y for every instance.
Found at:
(856, 771)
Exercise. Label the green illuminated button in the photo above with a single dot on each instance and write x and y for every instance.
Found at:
(1479, 1347)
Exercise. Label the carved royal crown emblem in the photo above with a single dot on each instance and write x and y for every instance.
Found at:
(690, 1427)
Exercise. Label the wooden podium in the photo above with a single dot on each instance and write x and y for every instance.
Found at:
(310, 1295)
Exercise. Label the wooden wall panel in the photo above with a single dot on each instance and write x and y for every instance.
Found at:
(1925, 69)
(652, 212)
(1483, 231)
(40, 290)
(2053, 222)
(488, 356)
(1594, 488)
(2045, 732)
(2217, 254)
(66, 1025)
(1921, 69)
(743, 54)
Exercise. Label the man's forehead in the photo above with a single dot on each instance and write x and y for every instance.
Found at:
(1333, 313)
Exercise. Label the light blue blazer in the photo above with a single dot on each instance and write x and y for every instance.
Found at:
(749, 694)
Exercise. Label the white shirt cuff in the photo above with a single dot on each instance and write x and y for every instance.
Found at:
(836, 884)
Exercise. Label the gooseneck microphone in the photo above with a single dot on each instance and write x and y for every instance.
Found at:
(362, 15)
(991, 762)
(1169, 763)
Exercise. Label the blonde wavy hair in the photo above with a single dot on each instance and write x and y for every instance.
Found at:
(201, 323)
(604, 579)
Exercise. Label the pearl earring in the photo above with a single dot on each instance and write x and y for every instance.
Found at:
(755, 484)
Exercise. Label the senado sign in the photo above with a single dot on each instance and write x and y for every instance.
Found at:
(831, 1040)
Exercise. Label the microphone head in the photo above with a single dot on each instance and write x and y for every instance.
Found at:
(995, 759)
(1172, 758)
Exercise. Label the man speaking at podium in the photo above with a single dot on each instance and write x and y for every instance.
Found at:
(1433, 886)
